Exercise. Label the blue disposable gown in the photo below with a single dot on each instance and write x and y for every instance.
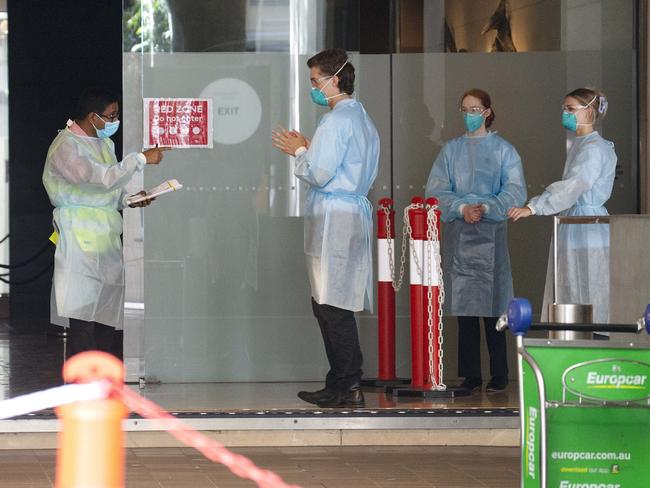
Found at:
(475, 260)
(85, 184)
(583, 250)
(340, 166)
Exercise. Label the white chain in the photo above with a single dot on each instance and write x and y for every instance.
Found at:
(407, 231)
(433, 237)
(433, 246)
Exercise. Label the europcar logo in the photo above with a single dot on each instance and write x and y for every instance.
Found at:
(531, 425)
(616, 380)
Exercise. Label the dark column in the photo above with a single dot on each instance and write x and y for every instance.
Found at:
(377, 27)
(55, 50)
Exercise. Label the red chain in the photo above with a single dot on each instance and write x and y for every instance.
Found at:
(211, 449)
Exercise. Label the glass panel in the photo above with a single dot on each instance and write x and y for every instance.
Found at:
(221, 270)
(215, 254)
(461, 26)
(224, 267)
(561, 46)
(223, 275)
(504, 26)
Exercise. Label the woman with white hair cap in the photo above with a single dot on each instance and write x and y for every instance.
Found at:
(586, 184)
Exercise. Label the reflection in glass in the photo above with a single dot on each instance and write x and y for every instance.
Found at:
(147, 26)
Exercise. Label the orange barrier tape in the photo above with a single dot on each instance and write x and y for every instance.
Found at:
(211, 449)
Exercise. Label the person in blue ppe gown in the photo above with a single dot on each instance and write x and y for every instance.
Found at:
(477, 178)
(586, 184)
(339, 164)
(86, 185)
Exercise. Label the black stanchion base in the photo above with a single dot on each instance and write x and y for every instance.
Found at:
(390, 389)
(378, 383)
(450, 392)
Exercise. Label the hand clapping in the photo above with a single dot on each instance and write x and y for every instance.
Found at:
(288, 141)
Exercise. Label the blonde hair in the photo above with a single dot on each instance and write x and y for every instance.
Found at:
(594, 99)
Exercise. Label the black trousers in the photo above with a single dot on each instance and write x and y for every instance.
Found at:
(469, 347)
(341, 339)
(87, 336)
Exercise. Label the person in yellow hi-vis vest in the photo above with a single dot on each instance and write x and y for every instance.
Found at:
(86, 185)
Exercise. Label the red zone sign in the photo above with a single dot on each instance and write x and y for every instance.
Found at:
(178, 122)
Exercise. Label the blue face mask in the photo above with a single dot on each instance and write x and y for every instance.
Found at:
(109, 129)
(317, 95)
(473, 122)
(569, 121)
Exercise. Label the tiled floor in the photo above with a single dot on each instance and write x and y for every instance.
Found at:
(29, 363)
(341, 467)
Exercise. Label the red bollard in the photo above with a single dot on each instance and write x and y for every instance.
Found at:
(425, 249)
(385, 291)
(386, 376)
(418, 221)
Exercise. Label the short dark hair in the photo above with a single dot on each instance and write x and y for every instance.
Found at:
(485, 100)
(329, 62)
(94, 99)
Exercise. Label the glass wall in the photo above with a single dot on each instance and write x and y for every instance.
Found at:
(216, 283)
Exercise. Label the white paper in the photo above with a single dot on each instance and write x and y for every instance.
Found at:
(165, 187)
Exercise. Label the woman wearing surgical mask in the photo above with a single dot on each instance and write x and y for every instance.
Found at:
(477, 177)
(586, 184)
(86, 185)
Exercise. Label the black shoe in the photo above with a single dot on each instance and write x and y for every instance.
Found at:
(352, 398)
(314, 396)
(472, 383)
(497, 383)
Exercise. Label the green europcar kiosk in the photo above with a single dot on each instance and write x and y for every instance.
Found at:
(585, 405)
